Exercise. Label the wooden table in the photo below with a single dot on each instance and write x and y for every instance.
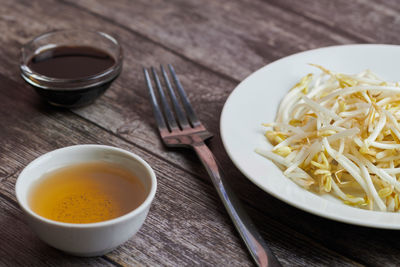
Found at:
(213, 46)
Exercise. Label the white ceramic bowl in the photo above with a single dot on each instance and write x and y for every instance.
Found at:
(91, 239)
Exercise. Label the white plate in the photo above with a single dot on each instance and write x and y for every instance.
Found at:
(256, 99)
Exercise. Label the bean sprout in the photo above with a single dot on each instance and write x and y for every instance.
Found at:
(340, 133)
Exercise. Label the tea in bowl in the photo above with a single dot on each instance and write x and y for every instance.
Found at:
(87, 199)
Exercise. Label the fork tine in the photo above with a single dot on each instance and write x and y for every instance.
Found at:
(183, 122)
(169, 116)
(156, 108)
(185, 100)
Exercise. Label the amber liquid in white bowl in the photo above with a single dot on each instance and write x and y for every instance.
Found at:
(87, 193)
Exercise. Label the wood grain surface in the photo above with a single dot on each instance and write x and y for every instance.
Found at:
(213, 46)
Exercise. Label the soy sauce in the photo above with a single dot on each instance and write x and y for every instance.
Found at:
(71, 62)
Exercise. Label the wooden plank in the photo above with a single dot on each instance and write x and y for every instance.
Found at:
(231, 37)
(192, 229)
(366, 21)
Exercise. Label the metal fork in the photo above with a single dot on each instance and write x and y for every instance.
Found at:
(180, 127)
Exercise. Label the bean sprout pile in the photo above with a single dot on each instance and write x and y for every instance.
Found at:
(339, 133)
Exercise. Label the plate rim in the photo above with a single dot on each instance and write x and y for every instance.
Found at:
(348, 220)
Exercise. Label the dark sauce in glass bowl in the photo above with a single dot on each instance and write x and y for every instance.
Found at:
(71, 62)
(71, 68)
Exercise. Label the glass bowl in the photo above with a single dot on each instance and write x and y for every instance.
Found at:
(71, 92)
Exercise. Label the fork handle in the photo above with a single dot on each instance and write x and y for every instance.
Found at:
(256, 245)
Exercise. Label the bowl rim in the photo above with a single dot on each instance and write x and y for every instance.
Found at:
(147, 202)
(34, 78)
